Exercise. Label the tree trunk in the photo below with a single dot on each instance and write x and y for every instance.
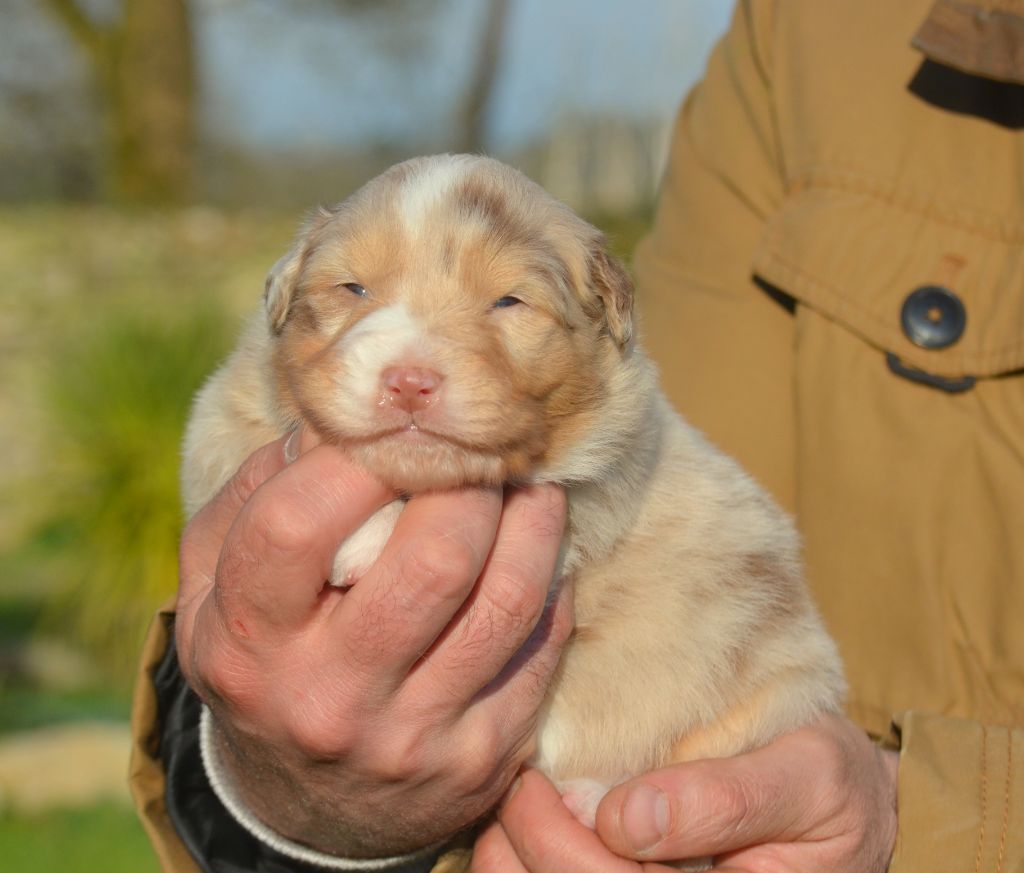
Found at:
(473, 114)
(151, 104)
(144, 69)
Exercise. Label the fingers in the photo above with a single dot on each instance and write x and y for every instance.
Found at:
(779, 793)
(547, 838)
(425, 573)
(277, 553)
(204, 534)
(499, 631)
(513, 699)
(493, 853)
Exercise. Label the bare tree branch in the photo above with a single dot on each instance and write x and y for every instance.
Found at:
(83, 31)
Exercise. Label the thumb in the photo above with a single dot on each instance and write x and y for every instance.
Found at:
(706, 808)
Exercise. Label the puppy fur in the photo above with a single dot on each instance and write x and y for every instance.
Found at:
(695, 636)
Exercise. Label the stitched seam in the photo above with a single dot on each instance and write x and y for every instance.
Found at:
(1006, 801)
(843, 303)
(830, 179)
(984, 798)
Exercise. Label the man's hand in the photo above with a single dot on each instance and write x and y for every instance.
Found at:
(384, 718)
(821, 798)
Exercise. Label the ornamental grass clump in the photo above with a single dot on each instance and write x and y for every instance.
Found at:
(116, 394)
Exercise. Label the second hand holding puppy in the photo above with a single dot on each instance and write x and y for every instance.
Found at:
(822, 798)
(366, 724)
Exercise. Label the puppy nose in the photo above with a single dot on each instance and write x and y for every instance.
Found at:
(411, 388)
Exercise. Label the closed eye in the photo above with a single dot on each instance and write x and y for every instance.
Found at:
(504, 302)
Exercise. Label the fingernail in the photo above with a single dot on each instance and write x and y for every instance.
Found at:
(291, 445)
(645, 818)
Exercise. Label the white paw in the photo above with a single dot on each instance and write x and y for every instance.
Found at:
(359, 552)
(582, 796)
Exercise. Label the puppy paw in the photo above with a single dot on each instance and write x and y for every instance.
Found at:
(582, 796)
(359, 552)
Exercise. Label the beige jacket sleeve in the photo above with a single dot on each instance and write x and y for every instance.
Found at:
(726, 350)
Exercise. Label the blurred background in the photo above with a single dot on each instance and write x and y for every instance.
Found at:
(156, 157)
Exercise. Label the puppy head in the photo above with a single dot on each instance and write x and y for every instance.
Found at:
(450, 323)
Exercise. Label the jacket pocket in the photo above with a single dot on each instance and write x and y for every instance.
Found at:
(940, 294)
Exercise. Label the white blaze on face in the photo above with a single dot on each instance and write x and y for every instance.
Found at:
(424, 190)
(387, 337)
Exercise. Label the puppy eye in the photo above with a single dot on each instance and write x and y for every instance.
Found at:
(503, 302)
(355, 288)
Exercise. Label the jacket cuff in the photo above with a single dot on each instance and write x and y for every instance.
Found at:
(220, 782)
(959, 796)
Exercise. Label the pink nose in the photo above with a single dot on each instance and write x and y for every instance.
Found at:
(411, 388)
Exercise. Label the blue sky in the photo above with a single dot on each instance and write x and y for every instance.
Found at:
(276, 78)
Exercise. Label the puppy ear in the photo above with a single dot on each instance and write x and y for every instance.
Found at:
(284, 275)
(280, 286)
(614, 287)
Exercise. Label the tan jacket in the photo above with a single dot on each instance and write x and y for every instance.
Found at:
(815, 157)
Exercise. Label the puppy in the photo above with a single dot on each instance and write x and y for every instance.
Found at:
(452, 324)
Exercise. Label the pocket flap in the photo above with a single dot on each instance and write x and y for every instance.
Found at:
(856, 257)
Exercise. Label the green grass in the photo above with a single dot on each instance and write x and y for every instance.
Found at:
(99, 839)
(28, 706)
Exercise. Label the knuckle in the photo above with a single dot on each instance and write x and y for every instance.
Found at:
(732, 804)
(439, 567)
(482, 759)
(225, 681)
(319, 734)
(278, 525)
(833, 765)
(405, 758)
(513, 601)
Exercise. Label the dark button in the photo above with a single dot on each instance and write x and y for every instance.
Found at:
(933, 317)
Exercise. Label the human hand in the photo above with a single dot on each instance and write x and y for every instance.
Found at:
(384, 718)
(820, 798)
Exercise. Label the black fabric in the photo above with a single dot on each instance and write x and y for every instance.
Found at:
(947, 88)
(786, 301)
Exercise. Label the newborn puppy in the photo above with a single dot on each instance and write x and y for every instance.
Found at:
(452, 324)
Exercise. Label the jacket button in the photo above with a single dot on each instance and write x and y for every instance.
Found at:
(933, 317)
